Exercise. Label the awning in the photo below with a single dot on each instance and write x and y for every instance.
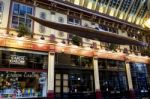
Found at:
(89, 33)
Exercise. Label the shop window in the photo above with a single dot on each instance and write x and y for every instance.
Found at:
(11, 59)
(113, 84)
(19, 15)
(73, 60)
(140, 79)
(23, 84)
(102, 63)
(80, 82)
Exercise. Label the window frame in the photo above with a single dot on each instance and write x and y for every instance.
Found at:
(26, 18)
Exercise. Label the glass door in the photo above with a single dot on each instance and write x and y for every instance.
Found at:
(140, 80)
(74, 85)
(113, 80)
(81, 86)
(113, 85)
(61, 86)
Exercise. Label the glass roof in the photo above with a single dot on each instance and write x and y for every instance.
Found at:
(133, 11)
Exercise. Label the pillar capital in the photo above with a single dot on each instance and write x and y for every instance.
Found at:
(95, 58)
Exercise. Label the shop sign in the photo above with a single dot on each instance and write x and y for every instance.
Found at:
(18, 60)
(16, 75)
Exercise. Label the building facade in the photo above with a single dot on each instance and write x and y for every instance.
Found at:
(58, 65)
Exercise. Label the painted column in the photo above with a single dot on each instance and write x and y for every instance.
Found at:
(96, 77)
(131, 90)
(51, 60)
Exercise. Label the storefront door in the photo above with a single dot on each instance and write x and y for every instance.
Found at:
(74, 86)
(113, 85)
(61, 86)
(140, 80)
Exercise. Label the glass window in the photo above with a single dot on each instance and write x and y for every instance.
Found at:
(1, 6)
(16, 9)
(73, 60)
(42, 29)
(19, 15)
(139, 79)
(1, 10)
(74, 21)
(42, 15)
(61, 19)
(12, 59)
(22, 84)
(22, 10)
(29, 10)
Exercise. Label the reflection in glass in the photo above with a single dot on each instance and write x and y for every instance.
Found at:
(140, 79)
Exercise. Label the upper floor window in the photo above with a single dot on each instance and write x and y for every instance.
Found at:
(1, 10)
(19, 15)
(1, 6)
(42, 15)
(74, 21)
(61, 19)
(41, 27)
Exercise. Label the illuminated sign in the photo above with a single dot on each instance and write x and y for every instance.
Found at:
(18, 60)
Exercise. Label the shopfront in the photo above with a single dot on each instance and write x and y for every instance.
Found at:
(140, 80)
(74, 78)
(23, 84)
(113, 80)
(23, 74)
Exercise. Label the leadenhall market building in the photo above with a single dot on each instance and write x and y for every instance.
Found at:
(74, 49)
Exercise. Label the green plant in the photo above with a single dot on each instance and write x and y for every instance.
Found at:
(23, 30)
(112, 47)
(146, 52)
(76, 40)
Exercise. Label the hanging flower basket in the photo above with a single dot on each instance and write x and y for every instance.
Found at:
(23, 30)
(52, 38)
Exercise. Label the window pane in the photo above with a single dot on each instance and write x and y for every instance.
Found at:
(28, 22)
(1, 6)
(22, 10)
(42, 15)
(21, 20)
(15, 20)
(16, 9)
(29, 10)
(70, 20)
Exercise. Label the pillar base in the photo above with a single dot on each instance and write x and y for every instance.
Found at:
(50, 94)
(98, 94)
(132, 94)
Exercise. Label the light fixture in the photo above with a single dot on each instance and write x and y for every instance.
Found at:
(63, 41)
(42, 37)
